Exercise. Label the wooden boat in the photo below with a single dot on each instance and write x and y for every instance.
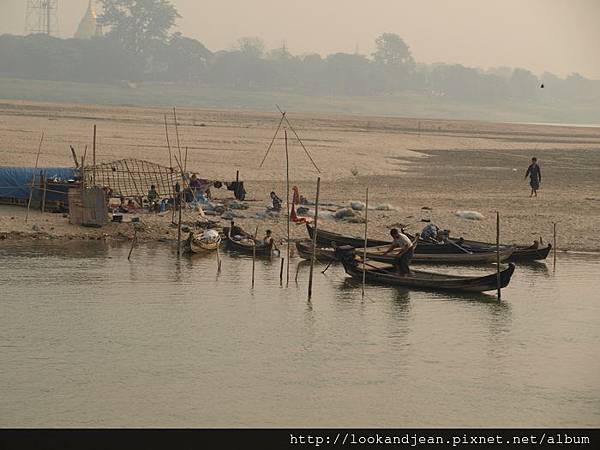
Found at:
(248, 246)
(328, 239)
(532, 253)
(386, 274)
(206, 243)
(322, 254)
(376, 254)
(519, 253)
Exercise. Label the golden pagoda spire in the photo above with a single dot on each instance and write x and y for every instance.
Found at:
(88, 27)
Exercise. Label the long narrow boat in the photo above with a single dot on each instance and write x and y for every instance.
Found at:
(532, 253)
(323, 254)
(248, 246)
(519, 253)
(376, 254)
(385, 274)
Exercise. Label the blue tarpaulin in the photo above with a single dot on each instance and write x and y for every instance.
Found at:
(15, 182)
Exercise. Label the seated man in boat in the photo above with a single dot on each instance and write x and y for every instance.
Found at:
(237, 233)
(405, 251)
(430, 233)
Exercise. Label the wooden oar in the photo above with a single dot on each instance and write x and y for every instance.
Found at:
(330, 263)
(463, 249)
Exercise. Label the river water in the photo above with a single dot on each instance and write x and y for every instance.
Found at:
(88, 338)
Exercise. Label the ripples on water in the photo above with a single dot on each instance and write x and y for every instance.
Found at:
(90, 339)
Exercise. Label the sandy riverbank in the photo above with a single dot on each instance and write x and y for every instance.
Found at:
(407, 163)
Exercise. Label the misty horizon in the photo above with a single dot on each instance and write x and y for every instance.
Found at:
(557, 37)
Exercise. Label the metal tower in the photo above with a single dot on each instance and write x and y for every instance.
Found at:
(42, 17)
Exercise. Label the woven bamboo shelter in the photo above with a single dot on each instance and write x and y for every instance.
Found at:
(132, 177)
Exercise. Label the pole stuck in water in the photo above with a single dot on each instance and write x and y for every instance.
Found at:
(554, 244)
(364, 273)
(314, 240)
(287, 183)
(253, 261)
(281, 272)
(218, 261)
(178, 203)
(498, 254)
(133, 241)
(94, 157)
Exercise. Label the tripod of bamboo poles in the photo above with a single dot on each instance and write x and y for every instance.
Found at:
(287, 173)
(176, 191)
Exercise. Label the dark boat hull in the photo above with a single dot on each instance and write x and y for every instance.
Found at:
(428, 280)
(530, 254)
(304, 249)
(240, 246)
(520, 253)
(376, 254)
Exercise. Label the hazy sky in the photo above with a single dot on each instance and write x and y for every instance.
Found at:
(561, 36)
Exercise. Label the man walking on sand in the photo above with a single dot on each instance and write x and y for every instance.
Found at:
(535, 176)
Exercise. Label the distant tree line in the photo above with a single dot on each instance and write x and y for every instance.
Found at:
(139, 47)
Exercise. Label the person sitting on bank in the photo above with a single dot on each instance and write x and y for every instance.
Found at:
(153, 198)
(152, 194)
(405, 250)
(276, 202)
(122, 205)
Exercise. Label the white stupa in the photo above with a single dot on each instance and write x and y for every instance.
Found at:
(89, 27)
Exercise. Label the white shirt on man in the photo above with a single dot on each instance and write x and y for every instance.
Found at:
(402, 240)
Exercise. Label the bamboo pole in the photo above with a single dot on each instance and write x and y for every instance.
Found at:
(168, 143)
(287, 183)
(364, 274)
(94, 157)
(74, 155)
(498, 254)
(44, 190)
(178, 193)
(133, 241)
(37, 158)
(554, 245)
(253, 262)
(314, 240)
(218, 261)
(284, 117)
(272, 140)
(281, 272)
(177, 134)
